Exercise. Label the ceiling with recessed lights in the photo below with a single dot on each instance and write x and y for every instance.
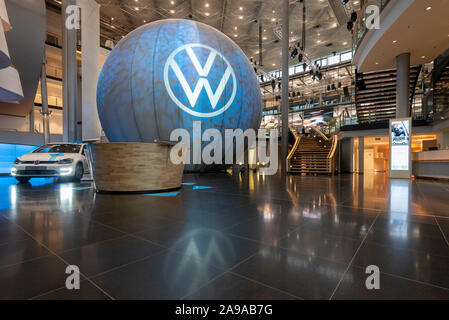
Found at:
(239, 20)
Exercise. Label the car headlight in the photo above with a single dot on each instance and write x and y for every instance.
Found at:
(17, 161)
(66, 161)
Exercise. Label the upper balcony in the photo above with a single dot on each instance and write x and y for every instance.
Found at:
(406, 26)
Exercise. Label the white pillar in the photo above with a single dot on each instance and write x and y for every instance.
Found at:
(70, 71)
(90, 70)
(285, 95)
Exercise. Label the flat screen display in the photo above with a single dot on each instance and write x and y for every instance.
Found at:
(400, 145)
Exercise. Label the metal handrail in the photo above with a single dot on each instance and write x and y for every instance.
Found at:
(295, 146)
(320, 133)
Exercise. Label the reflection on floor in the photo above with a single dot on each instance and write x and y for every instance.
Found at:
(248, 237)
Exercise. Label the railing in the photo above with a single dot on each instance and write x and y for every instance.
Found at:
(332, 154)
(295, 146)
(360, 28)
(320, 133)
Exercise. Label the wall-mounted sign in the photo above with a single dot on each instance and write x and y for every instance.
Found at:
(400, 148)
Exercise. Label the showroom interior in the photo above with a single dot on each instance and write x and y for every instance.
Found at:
(224, 150)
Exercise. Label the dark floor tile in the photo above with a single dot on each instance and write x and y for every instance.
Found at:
(339, 224)
(353, 287)
(45, 221)
(303, 276)
(29, 279)
(233, 287)
(416, 265)
(444, 225)
(216, 248)
(59, 240)
(103, 256)
(9, 232)
(168, 275)
(87, 291)
(321, 245)
(20, 251)
(416, 237)
(133, 223)
(268, 232)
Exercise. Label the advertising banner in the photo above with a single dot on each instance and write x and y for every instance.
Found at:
(400, 148)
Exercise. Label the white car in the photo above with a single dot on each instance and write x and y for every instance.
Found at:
(62, 160)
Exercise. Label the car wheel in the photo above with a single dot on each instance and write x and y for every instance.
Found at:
(23, 179)
(79, 172)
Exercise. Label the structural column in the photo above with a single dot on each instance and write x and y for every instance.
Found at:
(90, 70)
(361, 155)
(403, 85)
(45, 112)
(285, 95)
(70, 24)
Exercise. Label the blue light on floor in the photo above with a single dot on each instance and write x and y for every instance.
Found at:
(202, 187)
(166, 194)
(188, 183)
(81, 188)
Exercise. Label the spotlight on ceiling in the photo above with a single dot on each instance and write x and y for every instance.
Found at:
(294, 53)
(350, 25)
(345, 2)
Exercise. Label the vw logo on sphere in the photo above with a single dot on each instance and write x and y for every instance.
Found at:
(187, 52)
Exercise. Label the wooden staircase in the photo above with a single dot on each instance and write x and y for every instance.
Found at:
(313, 155)
(375, 94)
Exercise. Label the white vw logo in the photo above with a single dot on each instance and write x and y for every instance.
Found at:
(203, 82)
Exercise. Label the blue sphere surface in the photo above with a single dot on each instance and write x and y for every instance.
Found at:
(169, 73)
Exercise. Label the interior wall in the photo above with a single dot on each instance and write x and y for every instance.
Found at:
(13, 123)
(346, 155)
(443, 139)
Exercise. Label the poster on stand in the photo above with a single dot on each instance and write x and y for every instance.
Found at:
(400, 148)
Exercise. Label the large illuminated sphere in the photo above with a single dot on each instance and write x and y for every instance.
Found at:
(166, 74)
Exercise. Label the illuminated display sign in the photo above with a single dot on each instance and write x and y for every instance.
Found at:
(400, 145)
(228, 78)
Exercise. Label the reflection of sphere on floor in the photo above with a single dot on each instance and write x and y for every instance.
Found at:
(166, 74)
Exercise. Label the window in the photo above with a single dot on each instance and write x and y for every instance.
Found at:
(58, 148)
(334, 59)
(346, 56)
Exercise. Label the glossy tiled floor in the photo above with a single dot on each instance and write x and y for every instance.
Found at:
(249, 237)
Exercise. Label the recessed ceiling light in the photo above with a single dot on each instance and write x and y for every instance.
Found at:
(172, 11)
(423, 57)
(428, 8)
(206, 5)
(395, 41)
(207, 14)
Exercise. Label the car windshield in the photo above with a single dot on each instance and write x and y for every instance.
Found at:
(59, 148)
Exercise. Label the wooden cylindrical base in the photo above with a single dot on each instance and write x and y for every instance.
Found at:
(134, 167)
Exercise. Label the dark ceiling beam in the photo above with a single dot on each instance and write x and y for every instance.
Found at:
(258, 16)
(339, 11)
(223, 14)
